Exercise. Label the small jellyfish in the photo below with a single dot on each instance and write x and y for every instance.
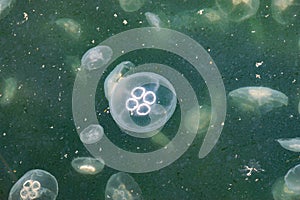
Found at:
(238, 10)
(292, 144)
(258, 99)
(8, 92)
(292, 179)
(131, 5)
(153, 20)
(96, 57)
(35, 184)
(280, 191)
(91, 134)
(5, 7)
(70, 26)
(285, 11)
(141, 102)
(122, 186)
(88, 165)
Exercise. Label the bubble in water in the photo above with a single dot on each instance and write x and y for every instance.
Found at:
(122, 186)
(70, 26)
(91, 134)
(88, 165)
(35, 184)
(96, 57)
(285, 11)
(292, 144)
(140, 103)
(238, 10)
(258, 99)
(131, 5)
(5, 7)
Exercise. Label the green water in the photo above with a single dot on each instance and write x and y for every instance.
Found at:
(37, 129)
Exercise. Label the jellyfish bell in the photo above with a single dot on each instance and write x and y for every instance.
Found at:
(70, 26)
(35, 184)
(88, 165)
(141, 103)
(292, 179)
(280, 191)
(5, 7)
(122, 186)
(238, 10)
(131, 5)
(285, 11)
(91, 134)
(292, 144)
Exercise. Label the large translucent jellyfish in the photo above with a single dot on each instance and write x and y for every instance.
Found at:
(9, 90)
(238, 10)
(140, 103)
(131, 5)
(122, 186)
(91, 134)
(88, 165)
(258, 99)
(70, 26)
(285, 11)
(292, 179)
(292, 144)
(5, 7)
(280, 191)
(96, 57)
(35, 184)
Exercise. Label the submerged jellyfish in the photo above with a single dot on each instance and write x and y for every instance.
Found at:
(88, 165)
(260, 99)
(91, 134)
(292, 144)
(131, 5)
(96, 57)
(140, 103)
(238, 10)
(8, 92)
(292, 179)
(122, 186)
(35, 184)
(70, 26)
(5, 7)
(153, 20)
(285, 11)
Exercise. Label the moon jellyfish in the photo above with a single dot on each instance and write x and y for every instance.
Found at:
(91, 134)
(96, 57)
(70, 26)
(285, 11)
(88, 165)
(153, 20)
(292, 144)
(131, 5)
(8, 92)
(238, 10)
(140, 103)
(292, 179)
(5, 7)
(280, 191)
(258, 99)
(35, 184)
(122, 186)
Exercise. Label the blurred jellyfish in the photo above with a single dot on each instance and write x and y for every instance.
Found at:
(91, 134)
(153, 20)
(140, 103)
(238, 10)
(35, 184)
(258, 99)
(70, 26)
(280, 191)
(285, 11)
(8, 92)
(131, 5)
(292, 144)
(5, 7)
(122, 186)
(198, 119)
(96, 57)
(292, 179)
(88, 165)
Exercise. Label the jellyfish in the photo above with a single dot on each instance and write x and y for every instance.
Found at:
(70, 26)
(292, 144)
(96, 57)
(88, 165)
(238, 10)
(122, 186)
(198, 118)
(292, 179)
(8, 93)
(258, 99)
(5, 7)
(280, 191)
(35, 184)
(140, 103)
(153, 20)
(131, 5)
(91, 134)
(285, 11)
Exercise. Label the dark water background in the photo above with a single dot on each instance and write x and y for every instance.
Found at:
(37, 130)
